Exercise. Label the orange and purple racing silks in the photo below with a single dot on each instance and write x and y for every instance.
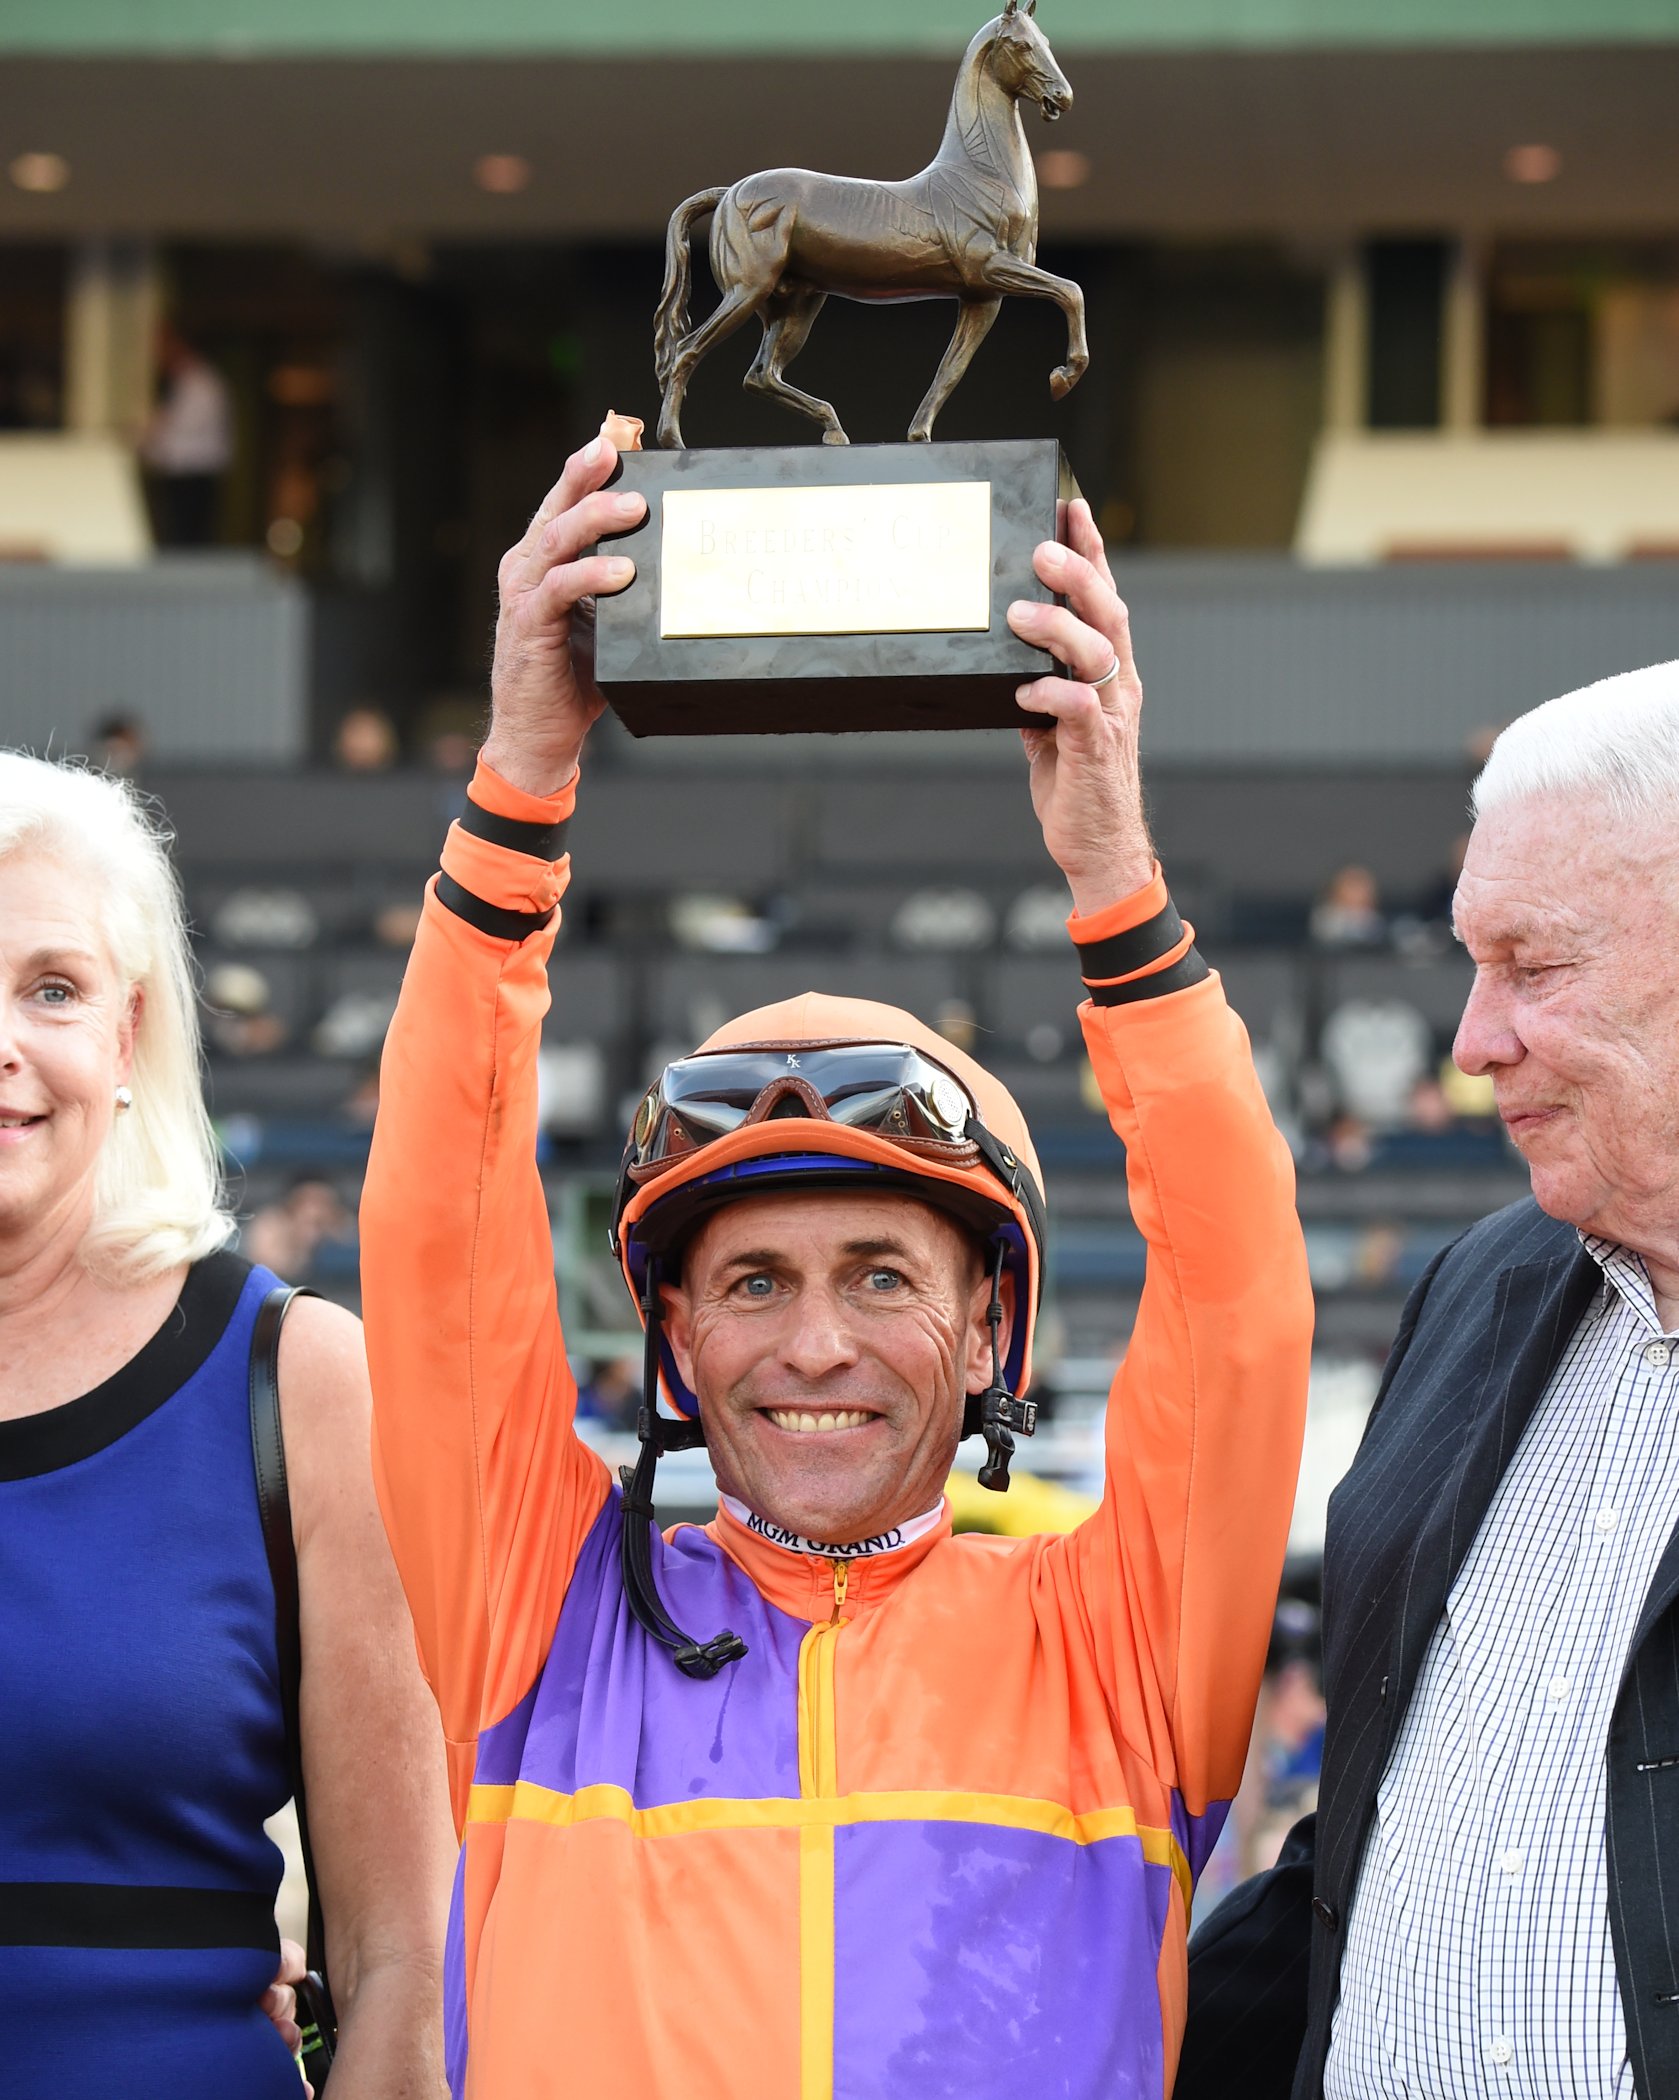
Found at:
(937, 1832)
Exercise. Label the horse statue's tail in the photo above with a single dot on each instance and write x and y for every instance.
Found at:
(670, 324)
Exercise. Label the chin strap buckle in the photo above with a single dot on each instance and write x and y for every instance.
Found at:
(704, 1659)
(999, 1417)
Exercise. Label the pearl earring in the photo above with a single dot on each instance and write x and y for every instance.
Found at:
(125, 1100)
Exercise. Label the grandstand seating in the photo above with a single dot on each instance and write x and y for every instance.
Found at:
(822, 863)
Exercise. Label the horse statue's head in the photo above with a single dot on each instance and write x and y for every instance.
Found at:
(1024, 64)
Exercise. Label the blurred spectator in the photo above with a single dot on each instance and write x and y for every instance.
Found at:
(452, 751)
(1434, 906)
(1346, 1146)
(395, 925)
(188, 444)
(1349, 913)
(1430, 1109)
(119, 745)
(366, 741)
(239, 1016)
(611, 1394)
(1377, 1256)
(288, 1235)
(1288, 1729)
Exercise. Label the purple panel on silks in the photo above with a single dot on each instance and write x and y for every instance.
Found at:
(1197, 1835)
(612, 1709)
(985, 1963)
(454, 1986)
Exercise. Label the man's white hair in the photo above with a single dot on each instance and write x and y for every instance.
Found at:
(158, 1188)
(1618, 739)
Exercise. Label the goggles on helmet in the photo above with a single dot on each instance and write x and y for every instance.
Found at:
(884, 1087)
(891, 1090)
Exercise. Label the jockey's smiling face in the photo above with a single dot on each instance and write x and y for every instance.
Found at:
(832, 1340)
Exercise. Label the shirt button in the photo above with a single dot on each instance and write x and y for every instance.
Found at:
(1605, 1521)
(1559, 1689)
(1503, 2050)
(1510, 1863)
(1658, 1355)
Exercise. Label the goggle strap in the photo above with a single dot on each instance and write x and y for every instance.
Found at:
(1013, 1176)
(693, 1658)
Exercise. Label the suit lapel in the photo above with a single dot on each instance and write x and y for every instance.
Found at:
(1536, 1307)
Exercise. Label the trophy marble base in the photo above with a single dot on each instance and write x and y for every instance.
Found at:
(829, 588)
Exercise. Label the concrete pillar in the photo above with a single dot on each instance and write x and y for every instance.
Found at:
(1463, 339)
(110, 336)
(1346, 342)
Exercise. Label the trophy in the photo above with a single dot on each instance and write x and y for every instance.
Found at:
(835, 587)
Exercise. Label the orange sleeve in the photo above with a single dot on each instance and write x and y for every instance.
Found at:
(1178, 1569)
(486, 1492)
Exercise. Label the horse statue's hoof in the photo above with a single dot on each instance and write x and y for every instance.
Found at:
(1063, 380)
(835, 437)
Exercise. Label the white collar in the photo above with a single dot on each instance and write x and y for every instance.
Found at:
(904, 1534)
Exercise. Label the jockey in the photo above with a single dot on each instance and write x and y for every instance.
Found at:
(820, 1801)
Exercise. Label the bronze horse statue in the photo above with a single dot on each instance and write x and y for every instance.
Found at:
(965, 228)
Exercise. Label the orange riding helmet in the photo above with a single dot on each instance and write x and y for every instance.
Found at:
(819, 1091)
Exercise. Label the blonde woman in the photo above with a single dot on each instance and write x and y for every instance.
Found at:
(143, 1744)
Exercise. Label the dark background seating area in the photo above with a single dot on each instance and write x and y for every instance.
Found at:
(697, 893)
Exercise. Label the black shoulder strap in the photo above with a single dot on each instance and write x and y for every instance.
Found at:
(268, 1455)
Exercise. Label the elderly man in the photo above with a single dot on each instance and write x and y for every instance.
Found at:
(820, 1800)
(1491, 1906)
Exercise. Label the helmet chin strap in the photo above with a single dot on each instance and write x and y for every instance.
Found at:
(693, 1658)
(996, 1414)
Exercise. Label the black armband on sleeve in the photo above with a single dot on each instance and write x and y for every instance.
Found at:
(1122, 954)
(1187, 970)
(492, 919)
(540, 841)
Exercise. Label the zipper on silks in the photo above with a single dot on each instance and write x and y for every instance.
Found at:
(818, 1781)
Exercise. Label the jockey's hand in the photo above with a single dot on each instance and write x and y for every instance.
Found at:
(1086, 787)
(542, 687)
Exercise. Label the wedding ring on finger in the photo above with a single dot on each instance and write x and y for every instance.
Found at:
(1107, 677)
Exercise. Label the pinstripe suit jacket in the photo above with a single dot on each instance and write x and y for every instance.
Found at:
(1477, 1343)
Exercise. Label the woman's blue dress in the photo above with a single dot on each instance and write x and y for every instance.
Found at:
(141, 1741)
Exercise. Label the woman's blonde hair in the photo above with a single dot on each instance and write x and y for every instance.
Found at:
(158, 1190)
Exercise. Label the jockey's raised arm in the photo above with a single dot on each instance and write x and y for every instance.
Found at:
(821, 1798)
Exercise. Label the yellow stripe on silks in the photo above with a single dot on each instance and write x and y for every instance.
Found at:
(818, 1785)
(526, 1803)
(816, 1962)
